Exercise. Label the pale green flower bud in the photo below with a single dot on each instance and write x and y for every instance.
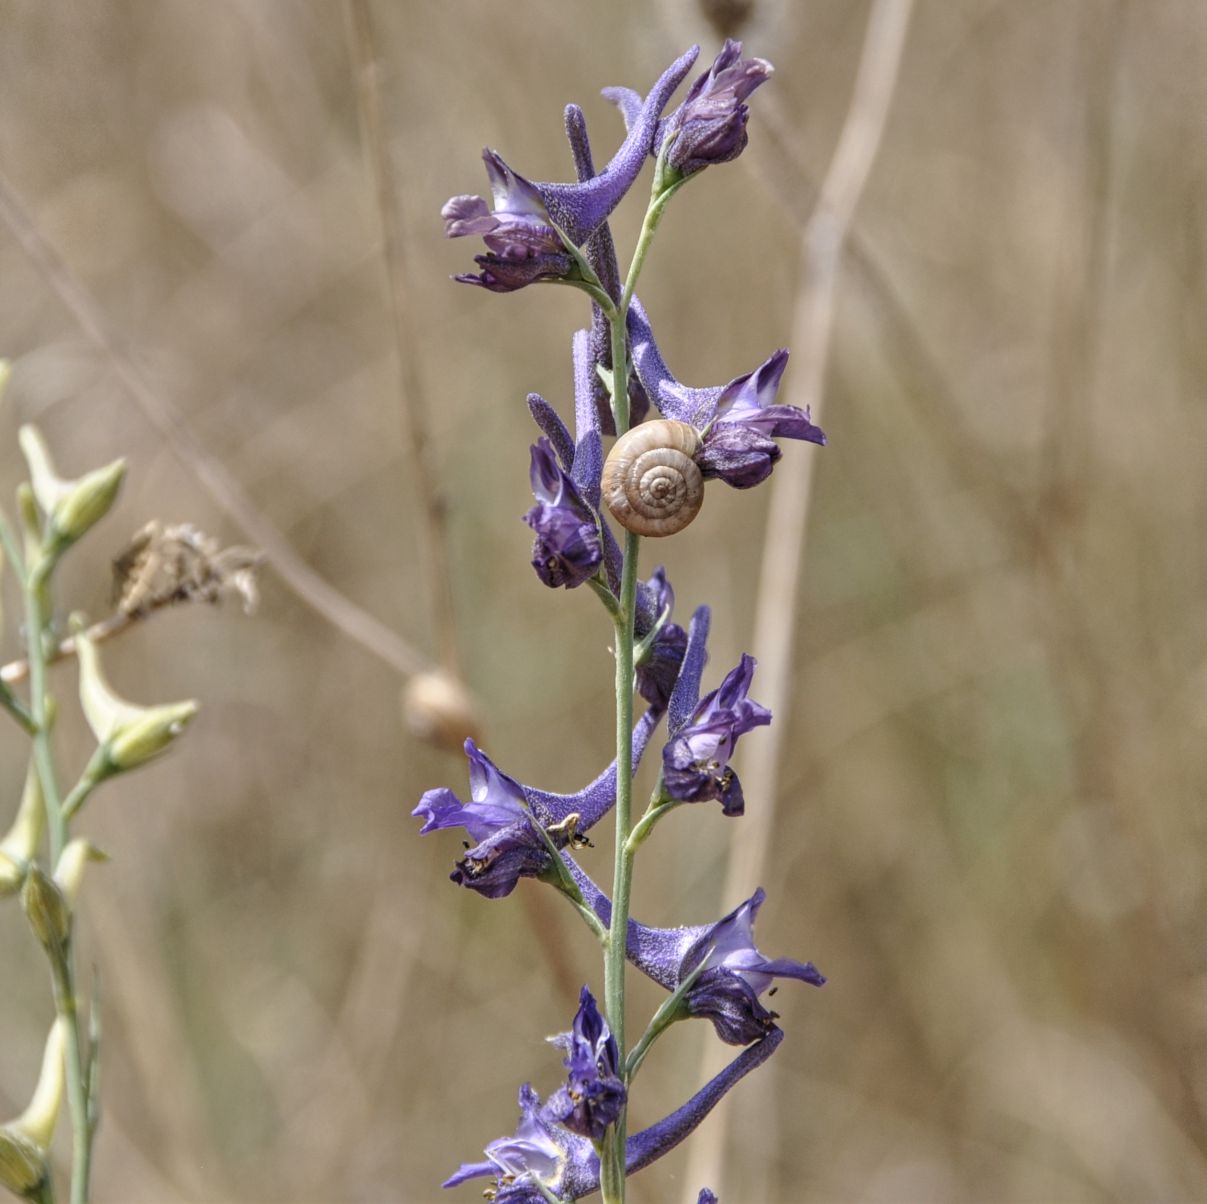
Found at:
(20, 846)
(46, 909)
(25, 1141)
(71, 506)
(69, 873)
(23, 1166)
(130, 735)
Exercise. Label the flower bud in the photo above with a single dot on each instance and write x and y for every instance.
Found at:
(19, 847)
(130, 735)
(69, 873)
(439, 710)
(46, 909)
(71, 506)
(25, 1141)
(22, 1165)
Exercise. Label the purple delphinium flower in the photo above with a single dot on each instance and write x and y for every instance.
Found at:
(538, 1151)
(738, 421)
(695, 761)
(522, 233)
(594, 1094)
(734, 973)
(521, 243)
(710, 125)
(706, 1197)
(498, 817)
(566, 1165)
(501, 816)
(658, 669)
(567, 550)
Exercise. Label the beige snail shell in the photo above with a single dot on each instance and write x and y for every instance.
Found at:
(651, 481)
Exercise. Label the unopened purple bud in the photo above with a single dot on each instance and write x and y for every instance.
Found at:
(594, 1094)
(567, 550)
(710, 125)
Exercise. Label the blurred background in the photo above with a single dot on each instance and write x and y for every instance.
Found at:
(990, 825)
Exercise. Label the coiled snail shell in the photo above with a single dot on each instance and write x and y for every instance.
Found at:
(651, 482)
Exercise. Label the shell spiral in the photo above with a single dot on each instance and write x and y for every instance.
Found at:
(651, 482)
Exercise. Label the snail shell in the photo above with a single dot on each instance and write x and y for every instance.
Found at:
(651, 481)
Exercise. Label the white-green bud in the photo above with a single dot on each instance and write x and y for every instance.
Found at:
(25, 1141)
(72, 506)
(129, 735)
(46, 909)
(20, 846)
(22, 1165)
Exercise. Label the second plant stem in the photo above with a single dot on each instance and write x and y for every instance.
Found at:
(62, 961)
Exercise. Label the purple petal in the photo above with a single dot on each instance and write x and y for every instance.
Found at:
(547, 418)
(686, 694)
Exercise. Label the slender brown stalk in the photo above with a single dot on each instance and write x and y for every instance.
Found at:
(318, 593)
(822, 247)
(365, 61)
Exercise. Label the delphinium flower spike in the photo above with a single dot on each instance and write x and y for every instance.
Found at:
(651, 482)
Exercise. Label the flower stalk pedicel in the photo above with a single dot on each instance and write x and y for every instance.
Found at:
(651, 482)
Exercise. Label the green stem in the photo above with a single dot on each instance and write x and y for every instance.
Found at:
(73, 1056)
(35, 581)
(94, 774)
(612, 1155)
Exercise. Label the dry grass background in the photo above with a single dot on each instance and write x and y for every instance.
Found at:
(990, 833)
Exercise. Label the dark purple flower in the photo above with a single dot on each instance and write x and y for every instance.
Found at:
(658, 669)
(695, 762)
(594, 1094)
(706, 1197)
(710, 125)
(565, 1164)
(501, 816)
(567, 550)
(523, 234)
(521, 242)
(735, 975)
(737, 421)
(734, 972)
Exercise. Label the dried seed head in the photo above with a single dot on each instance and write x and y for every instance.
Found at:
(164, 565)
